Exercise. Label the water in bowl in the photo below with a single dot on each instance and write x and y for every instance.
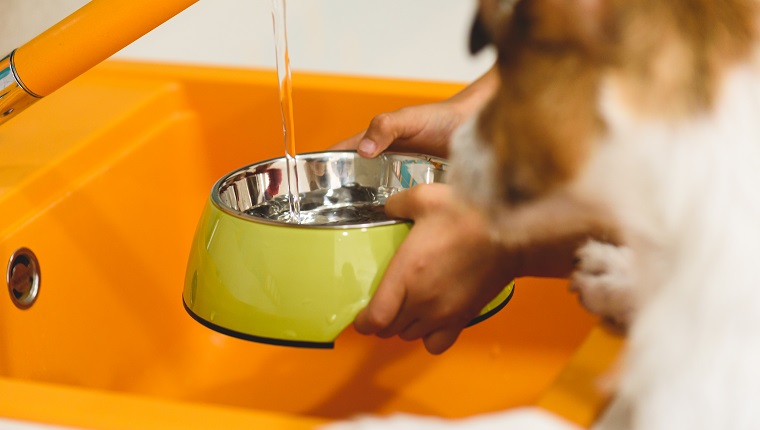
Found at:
(350, 204)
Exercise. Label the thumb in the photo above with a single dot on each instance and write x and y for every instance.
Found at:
(386, 128)
(350, 143)
(382, 131)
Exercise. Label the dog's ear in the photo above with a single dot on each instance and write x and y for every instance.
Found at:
(490, 18)
(479, 35)
(582, 22)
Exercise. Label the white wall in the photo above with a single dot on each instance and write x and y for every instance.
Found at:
(419, 39)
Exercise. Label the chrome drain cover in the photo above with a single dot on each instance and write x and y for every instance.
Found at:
(23, 278)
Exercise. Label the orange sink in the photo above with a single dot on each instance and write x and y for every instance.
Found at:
(104, 181)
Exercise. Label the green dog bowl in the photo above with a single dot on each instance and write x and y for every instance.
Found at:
(255, 274)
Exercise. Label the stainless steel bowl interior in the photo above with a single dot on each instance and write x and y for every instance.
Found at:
(333, 180)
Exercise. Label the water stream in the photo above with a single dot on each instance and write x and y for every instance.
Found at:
(286, 106)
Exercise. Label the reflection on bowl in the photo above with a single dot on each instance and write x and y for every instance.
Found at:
(256, 275)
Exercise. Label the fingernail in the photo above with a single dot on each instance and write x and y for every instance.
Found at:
(367, 147)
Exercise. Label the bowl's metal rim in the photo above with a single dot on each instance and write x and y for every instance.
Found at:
(242, 215)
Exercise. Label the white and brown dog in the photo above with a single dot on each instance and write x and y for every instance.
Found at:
(640, 117)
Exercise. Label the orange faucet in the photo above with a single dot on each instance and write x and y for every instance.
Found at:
(80, 41)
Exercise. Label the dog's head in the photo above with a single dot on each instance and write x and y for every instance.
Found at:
(556, 58)
(540, 124)
(537, 132)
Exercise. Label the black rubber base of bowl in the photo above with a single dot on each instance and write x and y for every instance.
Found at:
(259, 339)
(317, 345)
(494, 311)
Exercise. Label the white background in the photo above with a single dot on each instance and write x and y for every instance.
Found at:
(417, 39)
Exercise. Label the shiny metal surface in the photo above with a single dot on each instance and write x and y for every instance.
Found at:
(23, 278)
(14, 97)
(360, 182)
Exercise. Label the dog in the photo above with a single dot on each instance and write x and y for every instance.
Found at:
(635, 123)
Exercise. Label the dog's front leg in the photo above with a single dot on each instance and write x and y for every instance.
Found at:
(604, 279)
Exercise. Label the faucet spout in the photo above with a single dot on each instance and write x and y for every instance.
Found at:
(13, 96)
(77, 43)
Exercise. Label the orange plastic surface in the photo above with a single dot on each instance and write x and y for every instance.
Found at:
(84, 408)
(105, 179)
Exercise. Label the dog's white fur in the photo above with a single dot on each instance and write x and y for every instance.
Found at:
(687, 195)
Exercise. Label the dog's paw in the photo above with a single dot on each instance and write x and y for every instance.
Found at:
(604, 279)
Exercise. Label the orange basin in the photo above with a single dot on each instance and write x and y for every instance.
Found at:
(104, 181)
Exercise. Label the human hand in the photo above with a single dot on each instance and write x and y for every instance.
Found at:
(426, 128)
(423, 129)
(442, 275)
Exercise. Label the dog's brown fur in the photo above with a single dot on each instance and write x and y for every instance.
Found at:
(671, 55)
(544, 122)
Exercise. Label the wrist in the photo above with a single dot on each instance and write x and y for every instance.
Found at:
(475, 95)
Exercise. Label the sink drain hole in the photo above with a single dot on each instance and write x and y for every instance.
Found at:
(23, 278)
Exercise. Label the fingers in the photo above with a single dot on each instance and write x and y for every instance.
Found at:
(386, 314)
(413, 331)
(383, 315)
(382, 309)
(439, 341)
(399, 205)
(440, 277)
(416, 201)
(400, 324)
